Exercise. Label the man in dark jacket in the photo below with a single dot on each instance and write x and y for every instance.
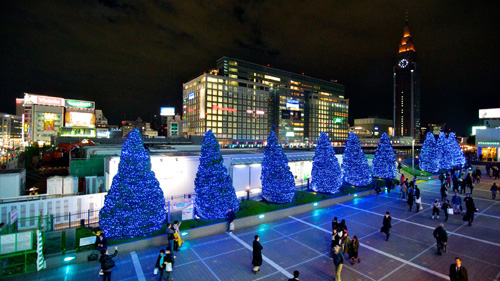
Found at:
(107, 263)
(295, 276)
(441, 238)
(257, 254)
(101, 243)
(170, 237)
(471, 208)
(458, 271)
(387, 225)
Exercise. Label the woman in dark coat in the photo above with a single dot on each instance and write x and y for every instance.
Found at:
(411, 199)
(257, 254)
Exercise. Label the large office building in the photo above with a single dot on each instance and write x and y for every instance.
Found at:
(406, 89)
(11, 131)
(242, 101)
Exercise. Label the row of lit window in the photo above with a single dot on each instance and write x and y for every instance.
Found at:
(235, 125)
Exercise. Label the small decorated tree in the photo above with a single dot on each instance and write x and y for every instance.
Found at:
(443, 152)
(213, 187)
(354, 164)
(458, 159)
(278, 185)
(326, 172)
(427, 159)
(135, 205)
(384, 161)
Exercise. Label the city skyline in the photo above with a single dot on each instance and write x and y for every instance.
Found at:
(131, 57)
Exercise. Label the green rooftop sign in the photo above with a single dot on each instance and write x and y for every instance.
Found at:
(488, 143)
(337, 120)
(80, 103)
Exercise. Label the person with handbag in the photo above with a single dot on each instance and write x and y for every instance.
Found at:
(230, 219)
(107, 264)
(169, 265)
(176, 226)
(471, 209)
(418, 199)
(446, 207)
(386, 225)
(160, 264)
(353, 254)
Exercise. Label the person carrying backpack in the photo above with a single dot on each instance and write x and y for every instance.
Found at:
(107, 263)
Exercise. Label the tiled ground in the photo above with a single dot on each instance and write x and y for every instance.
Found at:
(302, 243)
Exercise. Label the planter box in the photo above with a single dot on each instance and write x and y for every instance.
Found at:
(161, 241)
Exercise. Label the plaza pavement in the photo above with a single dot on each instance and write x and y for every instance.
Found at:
(302, 243)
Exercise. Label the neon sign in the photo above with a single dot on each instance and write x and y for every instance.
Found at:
(260, 112)
(215, 107)
(191, 96)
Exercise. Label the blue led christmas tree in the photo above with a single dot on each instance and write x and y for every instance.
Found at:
(384, 162)
(354, 164)
(213, 187)
(458, 159)
(443, 152)
(135, 205)
(427, 159)
(278, 185)
(326, 172)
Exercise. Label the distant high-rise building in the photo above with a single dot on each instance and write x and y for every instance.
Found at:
(406, 89)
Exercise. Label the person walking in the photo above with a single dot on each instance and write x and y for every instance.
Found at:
(457, 203)
(335, 241)
(342, 228)
(468, 182)
(386, 225)
(353, 254)
(295, 276)
(418, 199)
(448, 180)
(338, 261)
(170, 237)
(411, 199)
(441, 178)
(397, 190)
(463, 186)
(445, 207)
(457, 271)
(399, 167)
(441, 237)
(160, 263)
(176, 226)
(455, 183)
(444, 192)
(478, 175)
(435, 208)
(377, 189)
(107, 263)
(403, 190)
(257, 254)
(230, 219)
(471, 209)
(346, 243)
(335, 224)
(169, 265)
(494, 189)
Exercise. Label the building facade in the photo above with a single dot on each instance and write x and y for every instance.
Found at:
(488, 135)
(248, 100)
(374, 127)
(406, 89)
(11, 131)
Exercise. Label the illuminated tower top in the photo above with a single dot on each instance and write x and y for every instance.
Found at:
(406, 42)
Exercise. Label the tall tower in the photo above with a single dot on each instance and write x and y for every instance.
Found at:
(406, 88)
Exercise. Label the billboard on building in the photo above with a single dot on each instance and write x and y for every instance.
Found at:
(167, 111)
(43, 100)
(489, 113)
(292, 104)
(79, 119)
(80, 104)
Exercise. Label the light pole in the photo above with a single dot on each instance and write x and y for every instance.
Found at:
(308, 178)
(413, 156)
(248, 192)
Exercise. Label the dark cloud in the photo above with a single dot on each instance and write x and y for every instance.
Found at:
(132, 56)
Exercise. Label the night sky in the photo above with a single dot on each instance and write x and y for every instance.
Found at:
(132, 56)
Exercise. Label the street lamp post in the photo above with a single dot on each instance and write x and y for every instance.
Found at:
(248, 192)
(413, 156)
(308, 178)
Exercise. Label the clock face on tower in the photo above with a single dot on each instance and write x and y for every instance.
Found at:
(403, 63)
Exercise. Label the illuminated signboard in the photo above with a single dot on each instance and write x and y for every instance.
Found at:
(489, 113)
(49, 121)
(290, 134)
(475, 128)
(488, 143)
(260, 112)
(215, 107)
(249, 111)
(80, 104)
(167, 111)
(292, 104)
(103, 134)
(79, 119)
(43, 100)
(77, 132)
(337, 120)
(191, 96)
